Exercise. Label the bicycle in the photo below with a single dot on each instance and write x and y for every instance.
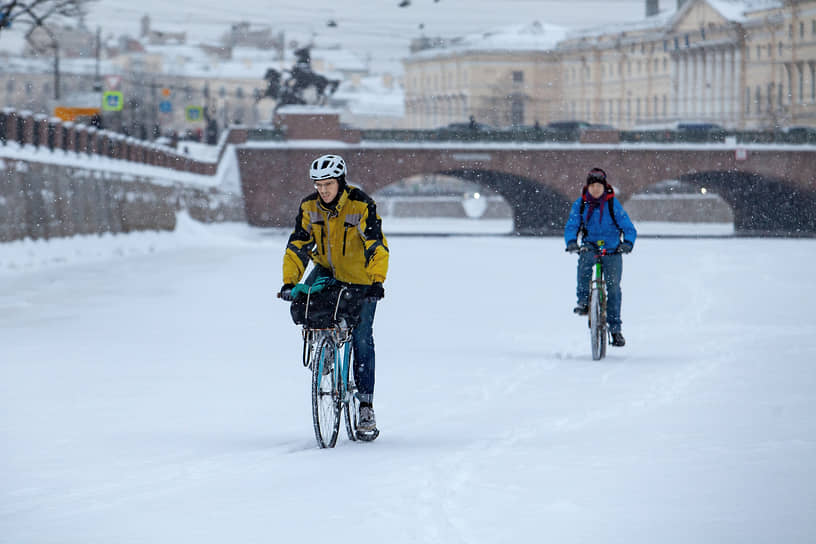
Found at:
(596, 316)
(328, 318)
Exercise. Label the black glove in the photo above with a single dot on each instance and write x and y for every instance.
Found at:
(625, 247)
(375, 291)
(572, 247)
(285, 292)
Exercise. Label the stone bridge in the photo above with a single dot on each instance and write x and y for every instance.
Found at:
(771, 188)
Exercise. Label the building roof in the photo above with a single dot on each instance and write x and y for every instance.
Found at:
(533, 36)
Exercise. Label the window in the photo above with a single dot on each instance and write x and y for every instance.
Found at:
(676, 42)
(799, 68)
(812, 81)
(702, 33)
(665, 105)
(747, 100)
(666, 45)
(518, 76)
(222, 91)
(239, 92)
(759, 52)
(758, 99)
(687, 40)
(801, 29)
(780, 49)
(770, 50)
(10, 86)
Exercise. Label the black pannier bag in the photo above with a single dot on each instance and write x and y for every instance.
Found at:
(345, 299)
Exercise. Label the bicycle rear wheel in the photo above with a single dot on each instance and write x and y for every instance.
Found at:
(597, 324)
(352, 401)
(325, 394)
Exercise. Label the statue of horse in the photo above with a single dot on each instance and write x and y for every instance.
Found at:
(299, 80)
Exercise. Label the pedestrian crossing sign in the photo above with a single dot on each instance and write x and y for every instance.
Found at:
(112, 101)
(194, 113)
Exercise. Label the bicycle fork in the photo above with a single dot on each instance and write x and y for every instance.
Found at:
(596, 289)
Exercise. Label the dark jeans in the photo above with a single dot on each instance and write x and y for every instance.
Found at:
(613, 270)
(362, 340)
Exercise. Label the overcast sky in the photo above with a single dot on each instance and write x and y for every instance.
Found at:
(379, 29)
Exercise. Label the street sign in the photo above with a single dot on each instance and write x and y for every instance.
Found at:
(72, 114)
(194, 113)
(165, 92)
(112, 101)
(165, 106)
(112, 82)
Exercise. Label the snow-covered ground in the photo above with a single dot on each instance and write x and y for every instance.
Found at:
(151, 391)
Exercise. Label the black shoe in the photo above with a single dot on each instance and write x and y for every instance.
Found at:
(618, 339)
(581, 308)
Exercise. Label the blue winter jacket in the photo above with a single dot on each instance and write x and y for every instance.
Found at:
(599, 224)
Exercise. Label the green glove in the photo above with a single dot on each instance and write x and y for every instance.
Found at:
(318, 285)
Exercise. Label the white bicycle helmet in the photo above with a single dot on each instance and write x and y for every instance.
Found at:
(327, 166)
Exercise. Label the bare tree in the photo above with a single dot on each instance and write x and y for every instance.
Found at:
(30, 14)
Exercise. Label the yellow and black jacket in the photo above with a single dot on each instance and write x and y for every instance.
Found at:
(348, 240)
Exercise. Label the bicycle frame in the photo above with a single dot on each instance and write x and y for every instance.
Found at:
(336, 396)
(596, 316)
(341, 389)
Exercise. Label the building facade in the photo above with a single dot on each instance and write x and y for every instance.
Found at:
(747, 64)
(518, 84)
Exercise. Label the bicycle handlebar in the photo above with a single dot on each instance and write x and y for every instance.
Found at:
(349, 289)
(586, 248)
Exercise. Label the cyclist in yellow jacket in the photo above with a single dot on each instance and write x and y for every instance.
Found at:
(337, 227)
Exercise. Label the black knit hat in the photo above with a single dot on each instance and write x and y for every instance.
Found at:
(597, 175)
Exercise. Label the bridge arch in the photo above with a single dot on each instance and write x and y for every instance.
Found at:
(537, 208)
(762, 205)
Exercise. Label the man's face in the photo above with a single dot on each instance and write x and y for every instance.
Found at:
(327, 189)
(596, 189)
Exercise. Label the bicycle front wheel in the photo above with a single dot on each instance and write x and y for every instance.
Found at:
(597, 324)
(325, 393)
(352, 401)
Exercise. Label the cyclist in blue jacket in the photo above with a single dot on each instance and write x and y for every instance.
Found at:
(597, 215)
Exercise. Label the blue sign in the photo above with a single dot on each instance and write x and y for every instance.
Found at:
(194, 113)
(112, 101)
(165, 106)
